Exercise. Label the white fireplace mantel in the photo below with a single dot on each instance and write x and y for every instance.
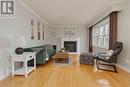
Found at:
(71, 39)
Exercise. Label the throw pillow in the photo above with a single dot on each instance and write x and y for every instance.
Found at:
(109, 53)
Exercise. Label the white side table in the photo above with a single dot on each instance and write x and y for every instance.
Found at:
(25, 57)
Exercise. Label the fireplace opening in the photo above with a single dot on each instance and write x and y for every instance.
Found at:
(71, 46)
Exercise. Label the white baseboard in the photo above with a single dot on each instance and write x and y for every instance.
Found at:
(5, 73)
(3, 76)
(123, 67)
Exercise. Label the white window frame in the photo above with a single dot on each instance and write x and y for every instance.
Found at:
(97, 27)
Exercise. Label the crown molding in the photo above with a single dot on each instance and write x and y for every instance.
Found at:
(68, 25)
(104, 12)
(32, 11)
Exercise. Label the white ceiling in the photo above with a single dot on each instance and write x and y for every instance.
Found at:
(67, 12)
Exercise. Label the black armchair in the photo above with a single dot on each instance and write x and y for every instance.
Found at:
(109, 59)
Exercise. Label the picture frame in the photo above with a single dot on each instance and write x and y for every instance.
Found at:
(38, 31)
(43, 32)
(70, 32)
(32, 29)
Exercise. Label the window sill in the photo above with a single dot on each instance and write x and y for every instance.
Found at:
(101, 48)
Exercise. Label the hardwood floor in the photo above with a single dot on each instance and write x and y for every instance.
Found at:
(74, 75)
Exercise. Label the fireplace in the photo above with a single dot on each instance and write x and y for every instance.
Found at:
(71, 46)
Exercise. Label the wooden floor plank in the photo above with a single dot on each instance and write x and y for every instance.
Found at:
(73, 75)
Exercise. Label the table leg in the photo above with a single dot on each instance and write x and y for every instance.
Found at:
(34, 62)
(26, 71)
(12, 68)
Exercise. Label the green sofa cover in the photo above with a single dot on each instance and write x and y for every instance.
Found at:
(41, 55)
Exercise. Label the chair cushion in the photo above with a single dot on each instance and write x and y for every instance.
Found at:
(109, 53)
(105, 56)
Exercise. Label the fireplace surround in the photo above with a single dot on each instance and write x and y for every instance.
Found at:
(71, 44)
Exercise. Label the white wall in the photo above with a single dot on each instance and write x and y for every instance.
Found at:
(80, 32)
(12, 28)
(124, 35)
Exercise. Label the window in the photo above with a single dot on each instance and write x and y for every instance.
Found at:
(101, 36)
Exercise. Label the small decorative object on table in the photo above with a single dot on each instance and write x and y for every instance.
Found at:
(62, 49)
(19, 50)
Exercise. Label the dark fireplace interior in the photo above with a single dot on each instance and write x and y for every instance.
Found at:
(71, 46)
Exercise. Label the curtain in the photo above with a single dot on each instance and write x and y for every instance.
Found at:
(90, 40)
(113, 29)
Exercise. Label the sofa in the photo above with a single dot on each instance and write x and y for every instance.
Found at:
(43, 53)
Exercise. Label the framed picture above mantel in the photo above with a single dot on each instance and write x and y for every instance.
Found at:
(69, 32)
